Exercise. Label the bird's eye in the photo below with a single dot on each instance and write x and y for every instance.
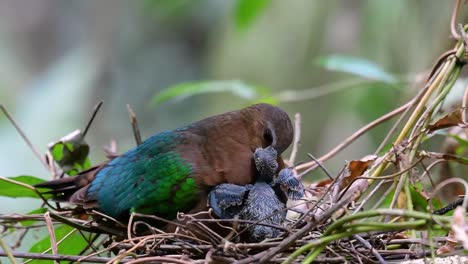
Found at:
(268, 137)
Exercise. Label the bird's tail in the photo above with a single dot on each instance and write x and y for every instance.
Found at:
(64, 188)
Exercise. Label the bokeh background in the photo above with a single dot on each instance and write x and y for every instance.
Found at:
(59, 58)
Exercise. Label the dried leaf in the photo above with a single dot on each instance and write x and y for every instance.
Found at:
(449, 246)
(450, 120)
(323, 183)
(356, 168)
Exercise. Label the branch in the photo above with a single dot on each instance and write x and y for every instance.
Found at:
(59, 257)
(134, 122)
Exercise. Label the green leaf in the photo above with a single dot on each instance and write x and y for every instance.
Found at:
(387, 200)
(33, 212)
(419, 201)
(247, 10)
(57, 152)
(356, 66)
(11, 187)
(184, 90)
(71, 153)
(72, 245)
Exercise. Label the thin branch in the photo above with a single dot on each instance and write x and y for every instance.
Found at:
(463, 37)
(22, 184)
(356, 135)
(159, 259)
(311, 168)
(58, 257)
(59, 242)
(446, 69)
(7, 252)
(400, 119)
(453, 20)
(297, 138)
(50, 229)
(25, 138)
(25, 185)
(93, 115)
(450, 181)
(464, 103)
(134, 122)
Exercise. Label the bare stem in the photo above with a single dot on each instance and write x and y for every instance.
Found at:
(134, 122)
(93, 115)
(356, 135)
(297, 138)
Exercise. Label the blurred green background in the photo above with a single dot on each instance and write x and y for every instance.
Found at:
(59, 58)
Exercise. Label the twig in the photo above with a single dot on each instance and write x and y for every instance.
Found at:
(322, 197)
(50, 229)
(129, 251)
(311, 168)
(453, 19)
(371, 248)
(454, 180)
(356, 135)
(58, 257)
(25, 138)
(463, 37)
(400, 119)
(20, 239)
(464, 103)
(297, 138)
(93, 115)
(22, 184)
(134, 122)
(159, 259)
(58, 242)
(446, 69)
(426, 170)
(7, 252)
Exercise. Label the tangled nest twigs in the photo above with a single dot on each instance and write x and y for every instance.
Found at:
(329, 224)
(344, 239)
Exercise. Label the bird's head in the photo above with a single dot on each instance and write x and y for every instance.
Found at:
(260, 233)
(265, 162)
(277, 128)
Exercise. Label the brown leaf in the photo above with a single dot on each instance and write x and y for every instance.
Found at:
(450, 120)
(449, 245)
(356, 168)
(323, 183)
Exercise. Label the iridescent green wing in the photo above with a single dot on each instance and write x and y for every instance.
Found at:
(151, 178)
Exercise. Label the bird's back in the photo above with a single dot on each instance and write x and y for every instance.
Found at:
(150, 178)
